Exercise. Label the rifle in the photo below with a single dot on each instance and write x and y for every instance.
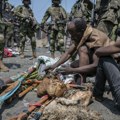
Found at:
(51, 23)
(56, 22)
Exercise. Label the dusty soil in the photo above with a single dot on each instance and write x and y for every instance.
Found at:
(17, 65)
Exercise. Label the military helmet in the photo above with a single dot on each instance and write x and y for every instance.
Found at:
(26, 0)
(56, 1)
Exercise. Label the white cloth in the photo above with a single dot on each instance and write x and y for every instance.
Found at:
(50, 61)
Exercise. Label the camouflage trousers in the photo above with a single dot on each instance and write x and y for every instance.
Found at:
(31, 36)
(57, 41)
(9, 34)
(109, 28)
(2, 44)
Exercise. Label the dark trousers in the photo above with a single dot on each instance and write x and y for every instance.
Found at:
(110, 71)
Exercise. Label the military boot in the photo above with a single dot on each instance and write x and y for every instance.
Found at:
(3, 68)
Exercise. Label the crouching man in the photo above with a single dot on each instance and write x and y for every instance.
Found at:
(85, 42)
(108, 70)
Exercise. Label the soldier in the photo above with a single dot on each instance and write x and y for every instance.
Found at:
(82, 8)
(3, 68)
(27, 26)
(57, 14)
(8, 16)
(108, 16)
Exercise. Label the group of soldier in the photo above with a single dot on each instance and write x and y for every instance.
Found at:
(21, 23)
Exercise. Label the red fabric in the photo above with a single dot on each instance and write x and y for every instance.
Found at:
(7, 53)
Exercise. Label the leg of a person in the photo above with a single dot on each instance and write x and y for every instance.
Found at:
(33, 42)
(2, 45)
(1, 50)
(22, 42)
(7, 38)
(100, 80)
(17, 35)
(52, 41)
(60, 37)
(112, 73)
(83, 56)
(83, 60)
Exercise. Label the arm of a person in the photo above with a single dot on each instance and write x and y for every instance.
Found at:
(65, 56)
(87, 68)
(46, 16)
(109, 50)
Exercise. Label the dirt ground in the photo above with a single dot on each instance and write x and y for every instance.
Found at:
(17, 65)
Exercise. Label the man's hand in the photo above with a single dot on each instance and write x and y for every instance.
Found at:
(64, 70)
(49, 68)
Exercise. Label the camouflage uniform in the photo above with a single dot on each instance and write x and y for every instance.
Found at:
(26, 27)
(82, 8)
(2, 42)
(17, 31)
(3, 68)
(57, 14)
(8, 16)
(108, 16)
